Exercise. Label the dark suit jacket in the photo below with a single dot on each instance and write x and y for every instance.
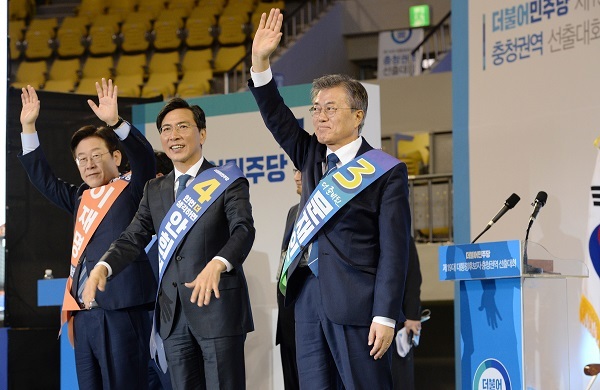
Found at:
(412, 289)
(363, 249)
(285, 316)
(135, 286)
(226, 230)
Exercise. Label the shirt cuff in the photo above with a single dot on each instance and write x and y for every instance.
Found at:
(29, 142)
(123, 131)
(104, 263)
(261, 78)
(381, 320)
(227, 264)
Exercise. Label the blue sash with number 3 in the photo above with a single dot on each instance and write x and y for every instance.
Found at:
(185, 212)
(330, 195)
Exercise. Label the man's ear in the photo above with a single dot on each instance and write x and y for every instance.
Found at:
(202, 136)
(116, 155)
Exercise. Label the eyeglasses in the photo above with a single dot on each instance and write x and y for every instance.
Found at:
(83, 161)
(181, 127)
(329, 111)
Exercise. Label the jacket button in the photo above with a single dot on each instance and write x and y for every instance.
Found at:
(178, 258)
(160, 292)
(174, 284)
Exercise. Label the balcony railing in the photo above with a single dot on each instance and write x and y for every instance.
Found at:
(436, 44)
(431, 207)
(295, 24)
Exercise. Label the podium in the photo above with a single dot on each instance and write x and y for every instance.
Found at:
(514, 328)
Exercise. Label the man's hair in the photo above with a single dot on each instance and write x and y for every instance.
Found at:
(104, 133)
(164, 164)
(177, 103)
(358, 98)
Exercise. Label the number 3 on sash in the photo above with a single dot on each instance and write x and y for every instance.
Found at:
(357, 174)
(205, 189)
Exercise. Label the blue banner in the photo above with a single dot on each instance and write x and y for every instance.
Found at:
(480, 261)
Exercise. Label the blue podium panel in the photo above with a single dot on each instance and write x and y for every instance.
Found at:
(491, 334)
(3, 358)
(51, 293)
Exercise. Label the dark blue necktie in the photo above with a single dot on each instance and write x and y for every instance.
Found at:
(182, 180)
(332, 161)
(313, 257)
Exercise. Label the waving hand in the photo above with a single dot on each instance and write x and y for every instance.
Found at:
(266, 39)
(106, 110)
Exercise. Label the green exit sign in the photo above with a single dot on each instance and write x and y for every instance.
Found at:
(419, 16)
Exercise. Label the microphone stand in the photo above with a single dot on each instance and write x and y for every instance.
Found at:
(481, 234)
(529, 269)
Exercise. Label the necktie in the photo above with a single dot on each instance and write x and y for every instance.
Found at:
(313, 257)
(332, 161)
(183, 179)
(81, 281)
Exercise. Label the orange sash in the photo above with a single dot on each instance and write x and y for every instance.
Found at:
(94, 206)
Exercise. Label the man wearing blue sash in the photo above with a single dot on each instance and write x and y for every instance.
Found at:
(203, 221)
(348, 254)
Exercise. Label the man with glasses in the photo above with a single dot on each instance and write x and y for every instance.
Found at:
(203, 220)
(111, 337)
(348, 255)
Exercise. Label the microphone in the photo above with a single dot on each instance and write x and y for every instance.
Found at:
(538, 203)
(509, 204)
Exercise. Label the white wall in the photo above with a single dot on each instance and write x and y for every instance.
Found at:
(416, 104)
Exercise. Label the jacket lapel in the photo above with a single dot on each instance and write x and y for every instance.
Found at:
(205, 165)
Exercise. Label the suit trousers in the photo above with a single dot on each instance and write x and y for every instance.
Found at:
(403, 369)
(204, 363)
(111, 349)
(286, 338)
(332, 355)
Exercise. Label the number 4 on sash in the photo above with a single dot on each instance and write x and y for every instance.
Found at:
(205, 189)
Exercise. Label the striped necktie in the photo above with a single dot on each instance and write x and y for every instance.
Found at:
(83, 276)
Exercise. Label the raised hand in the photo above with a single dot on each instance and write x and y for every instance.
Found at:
(106, 110)
(30, 110)
(266, 39)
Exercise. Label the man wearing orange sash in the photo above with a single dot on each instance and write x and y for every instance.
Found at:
(111, 336)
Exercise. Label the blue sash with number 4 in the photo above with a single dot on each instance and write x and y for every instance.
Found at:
(185, 212)
(331, 194)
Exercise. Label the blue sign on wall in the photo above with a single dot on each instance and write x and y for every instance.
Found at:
(480, 261)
